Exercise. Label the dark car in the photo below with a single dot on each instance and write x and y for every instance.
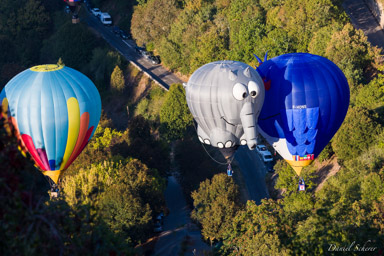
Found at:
(124, 35)
(116, 30)
(139, 50)
(154, 59)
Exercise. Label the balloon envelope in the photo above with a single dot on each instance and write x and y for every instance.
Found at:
(225, 98)
(55, 111)
(304, 107)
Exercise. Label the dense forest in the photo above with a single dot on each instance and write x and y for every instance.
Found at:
(113, 191)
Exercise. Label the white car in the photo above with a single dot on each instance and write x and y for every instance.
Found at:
(261, 148)
(96, 12)
(105, 18)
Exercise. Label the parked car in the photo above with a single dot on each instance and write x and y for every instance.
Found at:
(116, 30)
(267, 156)
(159, 218)
(158, 228)
(269, 166)
(139, 50)
(105, 18)
(154, 59)
(124, 35)
(145, 54)
(261, 148)
(96, 12)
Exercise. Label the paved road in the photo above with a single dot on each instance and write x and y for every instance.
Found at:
(127, 48)
(178, 227)
(362, 18)
(253, 171)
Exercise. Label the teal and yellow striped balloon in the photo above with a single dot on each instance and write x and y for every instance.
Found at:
(55, 111)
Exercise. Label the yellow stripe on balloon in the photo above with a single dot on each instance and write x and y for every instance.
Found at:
(73, 129)
(298, 165)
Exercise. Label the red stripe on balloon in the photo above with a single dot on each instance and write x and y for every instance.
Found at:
(85, 142)
(84, 122)
(28, 142)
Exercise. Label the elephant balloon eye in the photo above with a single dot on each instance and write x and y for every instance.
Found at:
(254, 89)
(240, 92)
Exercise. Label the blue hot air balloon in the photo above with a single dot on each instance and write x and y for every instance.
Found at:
(305, 103)
(55, 111)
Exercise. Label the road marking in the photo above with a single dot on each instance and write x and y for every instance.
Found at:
(130, 46)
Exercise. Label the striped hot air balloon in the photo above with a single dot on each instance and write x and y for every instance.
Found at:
(304, 106)
(55, 111)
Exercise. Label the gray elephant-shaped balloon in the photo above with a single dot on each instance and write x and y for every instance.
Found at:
(225, 99)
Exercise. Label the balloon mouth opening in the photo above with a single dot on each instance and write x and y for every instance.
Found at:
(46, 68)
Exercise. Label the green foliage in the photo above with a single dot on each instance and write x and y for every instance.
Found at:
(246, 29)
(358, 132)
(101, 65)
(144, 146)
(194, 164)
(60, 62)
(150, 106)
(372, 188)
(350, 50)
(128, 204)
(124, 195)
(103, 136)
(370, 96)
(74, 44)
(174, 114)
(117, 79)
(153, 20)
(257, 230)
(326, 153)
(216, 202)
(85, 186)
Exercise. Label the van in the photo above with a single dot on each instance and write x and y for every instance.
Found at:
(106, 19)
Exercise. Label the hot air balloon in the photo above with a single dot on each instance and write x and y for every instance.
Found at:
(305, 105)
(74, 6)
(225, 98)
(55, 111)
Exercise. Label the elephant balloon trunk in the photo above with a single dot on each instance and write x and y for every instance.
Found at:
(249, 122)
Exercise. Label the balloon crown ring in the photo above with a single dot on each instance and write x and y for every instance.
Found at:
(46, 68)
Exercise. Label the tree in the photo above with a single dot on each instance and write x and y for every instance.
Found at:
(216, 203)
(371, 95)
(246, 30)
(358, 132)
(350, 50)
(117, 79)
(174, 114)
(153, 20)
(257, 230)
(74, 44)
